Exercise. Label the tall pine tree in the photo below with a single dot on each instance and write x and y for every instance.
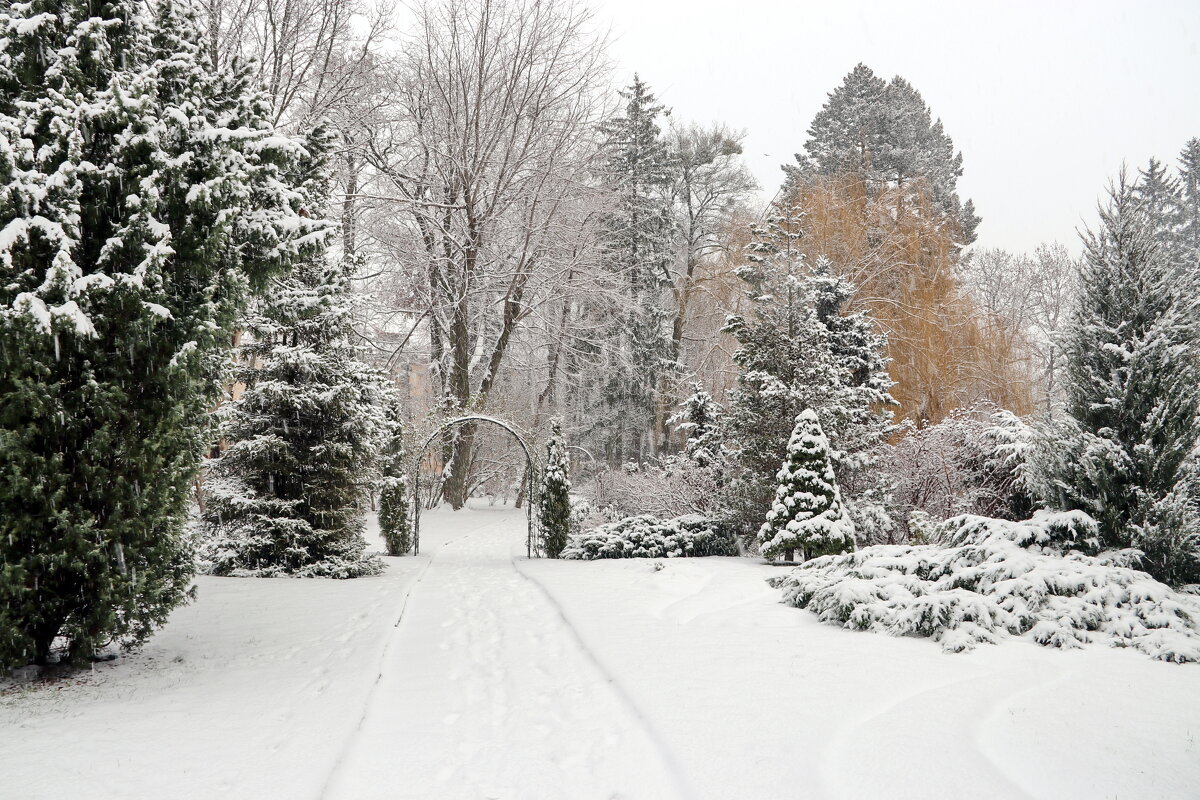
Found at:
(1189, 190)
(287, 495)
(884, 133)
(143, 195)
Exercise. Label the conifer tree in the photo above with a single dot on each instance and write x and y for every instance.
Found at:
(1158, 191)
(286, 496)
(1189, 189)
(1133, 393)
(395, 524)
(798, 350)
(884, 133)
(637, 245)
(143, 195)
(807, 514)
(699, 419)
(554, 500)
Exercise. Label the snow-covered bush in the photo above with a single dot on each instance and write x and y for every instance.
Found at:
(807, 514)
(958, 466)
(994, 578)
(649, 537)
(671, 488)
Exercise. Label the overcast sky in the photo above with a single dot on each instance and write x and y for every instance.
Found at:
(1044, 99)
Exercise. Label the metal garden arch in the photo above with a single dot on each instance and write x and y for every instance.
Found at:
(531, 496)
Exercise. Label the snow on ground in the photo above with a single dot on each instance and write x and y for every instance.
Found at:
(470, 672)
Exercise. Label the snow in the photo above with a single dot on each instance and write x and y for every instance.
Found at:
(470, 671)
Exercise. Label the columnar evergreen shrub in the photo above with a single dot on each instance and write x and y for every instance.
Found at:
(554, 500)
(143, 194)
(807, 514)
(395, 521)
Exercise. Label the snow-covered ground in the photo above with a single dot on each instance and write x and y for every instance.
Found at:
(471, 672)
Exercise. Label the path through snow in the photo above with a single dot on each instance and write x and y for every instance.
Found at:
(471, 672)
(485, 691)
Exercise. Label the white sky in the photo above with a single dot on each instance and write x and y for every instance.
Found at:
(1044, 99)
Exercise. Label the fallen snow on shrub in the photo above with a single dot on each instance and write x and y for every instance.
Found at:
(992, 578)
(649, 537)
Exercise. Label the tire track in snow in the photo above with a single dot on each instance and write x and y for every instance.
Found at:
(673, 767)
(348, 744)
(487, 692)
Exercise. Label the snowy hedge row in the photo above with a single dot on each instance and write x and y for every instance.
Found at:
(649, 537)
(991, 578)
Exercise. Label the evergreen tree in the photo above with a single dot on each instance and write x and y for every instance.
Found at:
(286, 496)
(799, 350)
(807, 514)
(1189, 189)
(395, 523)
(1158, 191)
(143, 195)
(700, 420)
(554, 500)
(886, 134)
(1133, 392)
(637, 245)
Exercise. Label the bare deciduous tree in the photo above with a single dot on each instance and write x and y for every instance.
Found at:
(484, 160)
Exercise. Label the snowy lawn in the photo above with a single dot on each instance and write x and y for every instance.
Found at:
(523, 679)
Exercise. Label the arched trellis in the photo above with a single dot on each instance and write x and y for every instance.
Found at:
(530, 472)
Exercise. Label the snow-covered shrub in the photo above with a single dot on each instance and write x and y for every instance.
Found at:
(671, 488)
(995, 578)
(961, 465)
(807, 514)
(649, 537)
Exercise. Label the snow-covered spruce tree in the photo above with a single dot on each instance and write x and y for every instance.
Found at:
(286, 495)
(636, 244)
(699, 419)
(1127, 453)
(799, 350)
(1159, 193)
(143, 194)
(554, 500)
(1189, 191)
(807, 514)
(395, 524)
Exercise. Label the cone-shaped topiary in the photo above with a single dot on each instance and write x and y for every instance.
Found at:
(807, 514)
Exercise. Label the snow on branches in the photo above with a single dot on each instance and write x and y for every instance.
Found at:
(807, 514)
(996, 578)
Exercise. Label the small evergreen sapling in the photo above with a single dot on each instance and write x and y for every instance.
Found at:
(808, 513)
(554, 509)
(699, 419)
